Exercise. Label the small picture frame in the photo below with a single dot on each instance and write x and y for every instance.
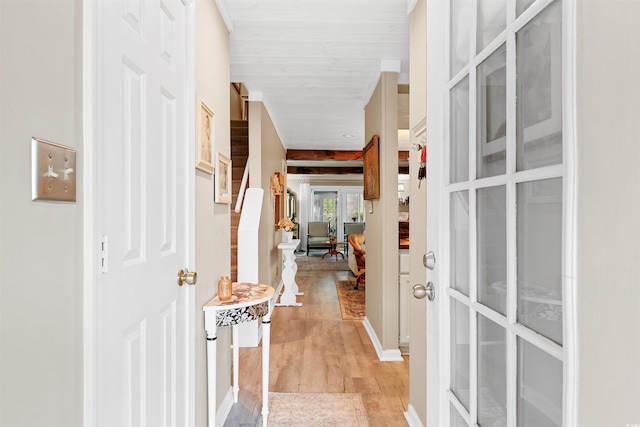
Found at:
(205, 130)
(222, 179)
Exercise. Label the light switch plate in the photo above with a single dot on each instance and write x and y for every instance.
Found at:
(53, 171)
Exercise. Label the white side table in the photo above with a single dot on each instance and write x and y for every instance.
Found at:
(249, 302)
(289, 270)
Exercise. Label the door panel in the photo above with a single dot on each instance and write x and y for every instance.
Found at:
(143, 213)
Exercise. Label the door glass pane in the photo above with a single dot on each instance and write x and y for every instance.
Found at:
(492, 247)
(456, 418)
(325, 208)
(460, 20)
(522, 5)
(492, 374)
(459, 156)
(492, 114)
(539, 218)
(539, 387)
(491, 21)
(460, 241)
(539, 90)
(355, 207)
(460, 351)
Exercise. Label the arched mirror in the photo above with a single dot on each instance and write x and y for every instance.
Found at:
(292, 202)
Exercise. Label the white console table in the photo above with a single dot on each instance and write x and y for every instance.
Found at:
(289, 270)
(249, 302)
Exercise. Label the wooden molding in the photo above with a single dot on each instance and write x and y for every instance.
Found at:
(324, 155)
(333, 155)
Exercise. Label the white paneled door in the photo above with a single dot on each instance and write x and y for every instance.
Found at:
(143, 359)
(497, 187)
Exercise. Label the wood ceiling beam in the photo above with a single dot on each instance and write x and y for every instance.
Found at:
(334, 170)
(324, 170)
(324, 155)
(333, 155)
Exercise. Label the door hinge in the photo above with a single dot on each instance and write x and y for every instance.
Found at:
(104, 254)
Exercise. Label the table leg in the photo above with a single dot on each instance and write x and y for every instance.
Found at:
(266, 343)
(211, 374)
(236, 362)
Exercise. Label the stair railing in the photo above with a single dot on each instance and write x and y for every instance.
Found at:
(243, 186)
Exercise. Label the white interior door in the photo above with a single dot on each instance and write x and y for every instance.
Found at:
(496, 215)
(143, 328)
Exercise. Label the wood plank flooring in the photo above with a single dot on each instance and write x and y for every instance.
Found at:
(314, 351)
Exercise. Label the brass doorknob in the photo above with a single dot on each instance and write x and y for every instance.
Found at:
(188, 277)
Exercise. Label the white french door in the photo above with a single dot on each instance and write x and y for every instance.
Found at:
(143, 116)
(498, 188)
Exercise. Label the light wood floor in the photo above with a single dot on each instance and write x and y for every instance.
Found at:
(314, 351)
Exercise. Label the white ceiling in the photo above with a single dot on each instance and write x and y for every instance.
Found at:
(315, 63)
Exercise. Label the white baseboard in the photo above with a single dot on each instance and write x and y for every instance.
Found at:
(225, 407)
(392, 355)
(412, 417)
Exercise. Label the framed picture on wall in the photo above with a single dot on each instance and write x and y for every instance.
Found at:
(205, 131)
(370, 171)
(222, 183)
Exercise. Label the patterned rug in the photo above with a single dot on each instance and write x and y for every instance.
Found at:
(316, 410)
(316, 263)
(352, 301)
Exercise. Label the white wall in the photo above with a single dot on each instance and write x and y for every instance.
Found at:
(608, 279)
(40, 242)
(213, 235)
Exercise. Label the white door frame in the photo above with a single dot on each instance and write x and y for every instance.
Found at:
(437, 78)
(91, 242)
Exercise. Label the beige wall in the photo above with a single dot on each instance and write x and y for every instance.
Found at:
(417, 212)
(266, 155)
(235, 103)
(40, 242)
(608, 277)
(381, 118)
(212, 219)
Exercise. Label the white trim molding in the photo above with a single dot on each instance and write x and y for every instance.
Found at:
(224, 13)
(412, 417)
(391, 355)
(225, 408)
(89, 238)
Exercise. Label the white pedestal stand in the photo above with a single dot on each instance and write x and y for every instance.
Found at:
(289, 270)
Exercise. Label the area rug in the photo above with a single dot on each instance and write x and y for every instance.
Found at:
(316, 263)
(316, 410)
(352, 301)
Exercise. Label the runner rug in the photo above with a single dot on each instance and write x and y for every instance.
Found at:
(316, 263)
(352, 301)
(316, 410)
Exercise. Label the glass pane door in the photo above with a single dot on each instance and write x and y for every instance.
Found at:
(504, 213)
(325, 208)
